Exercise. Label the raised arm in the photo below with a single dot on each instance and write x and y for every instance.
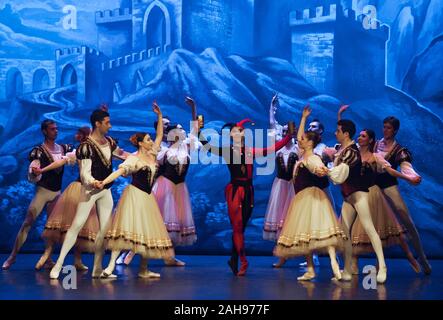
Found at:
(159, 136)
(301, 129)
(195, 125)
(342, 109)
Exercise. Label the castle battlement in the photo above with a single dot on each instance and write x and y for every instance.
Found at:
(134, 58)
(313, 15)
(333, 13)
(116, 15)
(75, 51)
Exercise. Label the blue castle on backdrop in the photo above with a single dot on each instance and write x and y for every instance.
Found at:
(322, 42)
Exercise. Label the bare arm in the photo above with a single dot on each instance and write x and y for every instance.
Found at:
(301, 129)
(159, 137)
(116, 174)
(342, 109)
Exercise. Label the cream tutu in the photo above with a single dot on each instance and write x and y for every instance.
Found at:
(62, 215)
(173, 201)
(281, 195)
(310, 225)
(137, 225)
(385, 222)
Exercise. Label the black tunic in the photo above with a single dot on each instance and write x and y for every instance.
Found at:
(285, 171)
(306, 179)
(355, 182)
(101, 166)
(395, 157)
(51, 180)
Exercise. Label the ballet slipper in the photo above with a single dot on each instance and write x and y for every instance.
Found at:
(336, 270)
(382, 274)
(346, 276)
(414, 263)
(243, 268)
(308, 276)
(79, 266)
(426, 267)
(40, 263)
(280, 263)
(55, 271)
(96, 274)
(105, 275)
(8, 263)
(174, 263)
(148, 274)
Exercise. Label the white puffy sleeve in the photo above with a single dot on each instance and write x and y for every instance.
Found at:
(339, 174)
(129, 165)
(407, 169)
(314, 163)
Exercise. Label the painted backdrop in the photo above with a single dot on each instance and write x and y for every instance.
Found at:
(59, 59)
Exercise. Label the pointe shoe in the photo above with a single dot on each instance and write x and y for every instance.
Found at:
(128, 258)
(414, 264)
(382, 274)
(233, 265)
(55, 271)
(8, 263)
(345, 276)
(426, 267)
(105, 275)
(306, 277)
(279, 264)
(81, 267)
(40, 263)
(336, 270)
(96, 274)
(174, 263)
(243, 268)
(149, 274)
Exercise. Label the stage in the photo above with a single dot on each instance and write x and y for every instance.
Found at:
(209, 278)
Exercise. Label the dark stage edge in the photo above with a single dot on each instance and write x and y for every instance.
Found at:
(209, 278)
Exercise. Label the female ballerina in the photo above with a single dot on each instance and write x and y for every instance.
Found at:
(137, 224)
(310, 224)
(170, 189)
(63, 214)
(282, 190)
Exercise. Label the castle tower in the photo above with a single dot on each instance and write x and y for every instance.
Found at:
(114, 29)
(337, 52)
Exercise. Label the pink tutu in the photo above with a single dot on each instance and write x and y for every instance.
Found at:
(175, 207)
(281, 195)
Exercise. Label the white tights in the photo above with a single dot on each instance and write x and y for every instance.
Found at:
(103, 201)
(357, 203)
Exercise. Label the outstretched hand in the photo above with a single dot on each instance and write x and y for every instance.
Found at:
(156, 108)
(275, 102)
(343, 108)
(306, 111)
(415, 181)
(190, 102)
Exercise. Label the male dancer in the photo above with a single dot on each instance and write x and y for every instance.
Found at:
(399, 156)
(49, 183)
(239, 192)
(95, 164)
(347, 173)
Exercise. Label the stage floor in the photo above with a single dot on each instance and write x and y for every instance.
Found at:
(209, 278)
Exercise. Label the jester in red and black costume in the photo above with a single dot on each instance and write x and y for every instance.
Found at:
(239, 192)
